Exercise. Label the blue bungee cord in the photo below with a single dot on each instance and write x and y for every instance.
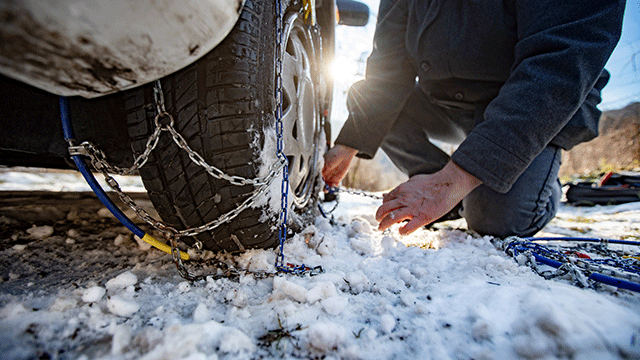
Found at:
(69, 136)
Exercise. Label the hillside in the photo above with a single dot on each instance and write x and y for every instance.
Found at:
(617, 147)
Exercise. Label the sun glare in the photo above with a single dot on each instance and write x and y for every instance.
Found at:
(344, 69)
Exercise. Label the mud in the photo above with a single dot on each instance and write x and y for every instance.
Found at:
(29, 47)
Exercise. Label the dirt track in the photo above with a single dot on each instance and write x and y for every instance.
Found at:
(80, 225)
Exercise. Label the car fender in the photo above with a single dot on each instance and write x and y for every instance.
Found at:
(92, 48)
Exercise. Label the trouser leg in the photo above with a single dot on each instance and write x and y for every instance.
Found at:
(530, 204)
(408, 143)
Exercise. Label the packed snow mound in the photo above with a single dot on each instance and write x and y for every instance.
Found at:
(443, 294)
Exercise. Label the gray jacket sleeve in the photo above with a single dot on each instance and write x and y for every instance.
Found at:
(560, 54)
(374, 103)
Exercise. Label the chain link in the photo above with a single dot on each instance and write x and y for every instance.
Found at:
(335, 190)
(355, 192)
(140, 212)
(164, 122)
(101, 164)
(216, 173)
(577, 269)
(284, 199)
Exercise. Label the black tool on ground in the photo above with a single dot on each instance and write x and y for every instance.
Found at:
(612, 189)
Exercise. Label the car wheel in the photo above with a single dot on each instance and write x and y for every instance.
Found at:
(223, 106)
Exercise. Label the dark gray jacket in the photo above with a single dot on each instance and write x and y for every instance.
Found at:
(532, 71)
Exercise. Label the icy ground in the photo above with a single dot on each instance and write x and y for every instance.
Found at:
(81, 287)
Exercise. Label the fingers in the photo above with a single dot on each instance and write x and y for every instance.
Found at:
(391, 195)
(425, 198)
(331, 177)
(394, 217)
(329, 174)
(336, 164)
(387, 207)
(413, 225)
(394, 212)
(402, 204)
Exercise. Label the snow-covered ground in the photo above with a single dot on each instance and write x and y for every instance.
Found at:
(83, 288)
(436, 294)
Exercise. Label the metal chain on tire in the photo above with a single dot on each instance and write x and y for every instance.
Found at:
(165, 122)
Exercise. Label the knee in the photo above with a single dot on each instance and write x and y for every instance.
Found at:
(529, 205)
(501, 223)
(503, 216)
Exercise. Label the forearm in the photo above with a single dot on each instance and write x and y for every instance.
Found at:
(374, 103)
(336, 164)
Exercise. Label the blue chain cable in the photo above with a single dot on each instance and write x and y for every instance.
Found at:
(630, 264)
(329, 190)
(557, 259)
(284, 199)
(282, 231)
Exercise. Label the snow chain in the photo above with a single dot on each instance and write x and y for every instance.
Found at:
(617, 270)
(164, 122)
(335, 190)
(354, 192)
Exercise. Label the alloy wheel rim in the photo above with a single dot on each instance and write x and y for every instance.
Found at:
(300, 116)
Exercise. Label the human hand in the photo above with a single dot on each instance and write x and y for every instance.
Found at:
(425, 198)
(336, 164)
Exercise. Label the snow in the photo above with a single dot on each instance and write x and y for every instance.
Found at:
(268, 156)
(122, 281)
(387, 323)
(40, 232)
(435, 294)
(52, 180)
(93, 294)
(326, 337)
(269, 201)
(282, 288)
(122, 307)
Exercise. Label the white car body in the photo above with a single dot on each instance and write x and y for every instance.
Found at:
(92, 48)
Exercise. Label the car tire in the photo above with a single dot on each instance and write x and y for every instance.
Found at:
(223, 106)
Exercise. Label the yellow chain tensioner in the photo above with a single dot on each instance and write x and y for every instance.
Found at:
(309, 9)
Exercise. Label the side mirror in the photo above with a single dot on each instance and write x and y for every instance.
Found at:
(352, 13)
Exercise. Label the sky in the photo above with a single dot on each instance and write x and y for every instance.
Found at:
(624, 64)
